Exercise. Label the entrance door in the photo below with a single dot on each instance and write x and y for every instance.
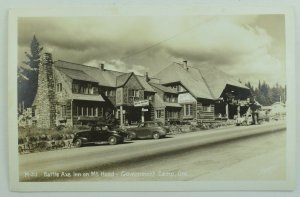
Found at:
(133, 115)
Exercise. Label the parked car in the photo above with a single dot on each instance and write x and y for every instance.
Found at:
(99, 134)
(148, 129)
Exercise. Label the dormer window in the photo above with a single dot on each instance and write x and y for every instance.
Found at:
(109, 93)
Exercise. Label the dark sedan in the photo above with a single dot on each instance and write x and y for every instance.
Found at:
(98, 134)
(147, 129)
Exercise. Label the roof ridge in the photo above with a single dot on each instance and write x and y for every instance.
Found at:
(76, 63)
(90, 66)
(165, 68)
(125, 74)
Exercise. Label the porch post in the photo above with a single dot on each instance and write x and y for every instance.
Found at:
(121, 115)
(72, 112)
(238, 111)
(143, 118)
(227, 110)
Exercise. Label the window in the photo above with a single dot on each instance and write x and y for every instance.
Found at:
(133, 93)
(158, 113)
(61, 110)
(187, 109)
(173, 99)
(84, 88)
(91, 112)
(95, 111)
(58, 87)
(172, 114)
(90, 89)
(109, 93)
(75, 88)
(82, 111)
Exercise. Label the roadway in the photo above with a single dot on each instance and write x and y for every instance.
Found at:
(219, 154)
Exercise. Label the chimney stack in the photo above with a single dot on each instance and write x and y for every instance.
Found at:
(47, 58)
(45, 97)
(185, 66)
(147, 77)
(102, 67)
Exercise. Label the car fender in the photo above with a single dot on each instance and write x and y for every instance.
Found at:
(117, 136)
(83, 139)
(132, 134)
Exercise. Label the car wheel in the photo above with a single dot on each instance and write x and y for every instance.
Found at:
(112, 140)
(156, 136)
(78, 143)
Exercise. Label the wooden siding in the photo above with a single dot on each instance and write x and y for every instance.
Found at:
(203, 115)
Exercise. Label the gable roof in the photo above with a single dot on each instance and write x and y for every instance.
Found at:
(189, 78)
(145, 84)
(216, 80)
(163, 88)
(201, 82)
(122, 79)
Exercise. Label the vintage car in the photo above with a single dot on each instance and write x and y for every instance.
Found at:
(148, 129)
(99, 134)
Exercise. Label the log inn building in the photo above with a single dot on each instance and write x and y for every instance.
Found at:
(74, 94)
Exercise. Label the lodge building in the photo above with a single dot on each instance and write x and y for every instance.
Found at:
(75, 94)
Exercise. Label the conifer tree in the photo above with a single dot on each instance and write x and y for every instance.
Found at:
(28, 74)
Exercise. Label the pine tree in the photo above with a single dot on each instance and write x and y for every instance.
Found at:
(267, 95)
(28, 75)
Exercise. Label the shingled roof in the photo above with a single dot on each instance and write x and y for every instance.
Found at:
(216, 80)
(202, 82)
(104, 77)
(189, 78)
(77, 74)
(145, 84)
(163, 88)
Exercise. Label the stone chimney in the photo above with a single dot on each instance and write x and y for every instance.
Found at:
(185, 66)
(45, 97)
(147, 77)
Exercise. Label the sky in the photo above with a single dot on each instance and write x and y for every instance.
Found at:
(248, 47)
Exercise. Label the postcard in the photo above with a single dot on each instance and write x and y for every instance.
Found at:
(124, 98)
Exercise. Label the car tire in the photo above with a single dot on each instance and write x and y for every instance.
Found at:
(156, 135)
(112, 140)
(78, 143)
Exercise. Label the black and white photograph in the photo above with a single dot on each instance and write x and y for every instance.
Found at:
(152, 98)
